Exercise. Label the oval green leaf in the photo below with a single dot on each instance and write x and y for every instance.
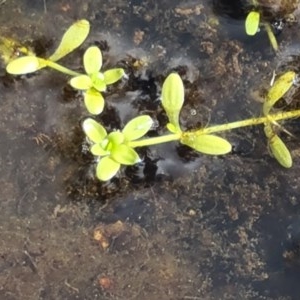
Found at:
(125, 155)
(97, 150)
(98, 82)
(207, 143)
(173, 98)
(280, 151)
(25, 65)
(113, 75)
(81, 82)
(116, 138)
(94, 102)
(93, 130)
(92, 60)
(252, 22)
(137, 127)
(107, 168)
(278, 90)
(72, 39)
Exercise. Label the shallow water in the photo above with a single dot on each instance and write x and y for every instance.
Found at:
(179, 226)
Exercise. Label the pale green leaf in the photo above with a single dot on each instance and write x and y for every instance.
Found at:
(98, 82)
(125, 155)
(171, 128)
(137, 127)
(280, 151)
(81, 82)
(92, 60)
(113, 75)
(173, 98)
(207, 143)
(72, 39)
(97, 150)
(93, 101)
(25, 65)
(93, 130)
(278, 90)
(107, 168)
(252, 22)
(116, 138)
(271, 36)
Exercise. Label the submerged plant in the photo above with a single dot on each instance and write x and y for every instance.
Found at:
(277, 91)
(117, 148)
(94, 82)
(253, 22)
(72, 39)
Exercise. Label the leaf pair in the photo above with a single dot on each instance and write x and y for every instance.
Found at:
(172, 101)
(252, 27)
(114, 149)
(94, 82)
(71, 40)
(280, 87)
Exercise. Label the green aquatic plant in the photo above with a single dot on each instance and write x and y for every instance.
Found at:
(72, 39)
(117, 148)
(280, 87)
(94, 82)
(253, 22)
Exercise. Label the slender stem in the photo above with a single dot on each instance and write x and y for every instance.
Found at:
(217, 128)
(155, 140)
(248, 122)
(60, 68)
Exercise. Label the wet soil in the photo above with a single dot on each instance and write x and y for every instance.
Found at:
(180, 225)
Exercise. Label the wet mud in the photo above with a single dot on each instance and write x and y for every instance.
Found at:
(179, 225)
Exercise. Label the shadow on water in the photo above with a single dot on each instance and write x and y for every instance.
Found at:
(179, 225)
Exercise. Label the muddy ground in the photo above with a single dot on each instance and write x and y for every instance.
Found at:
(180, 225)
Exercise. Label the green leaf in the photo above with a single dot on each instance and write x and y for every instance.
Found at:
(271, 36)
(72, 39)
(173, 98)
(137, 127)
(278, 90)
(93, 101)
(113, 75)
(206, 143)
(252, 22)
(280, 151)
(107, 168)
(125, 155)
(277, 147)
(97, 150)
(116, 138)
(92, 60)
(93, 130)
(98, 82)
(25, 65)
(81, 82)
(171, 128)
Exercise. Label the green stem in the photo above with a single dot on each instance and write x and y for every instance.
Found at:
(217, 128)
(60, 68)
(155, 140)
(248, 122)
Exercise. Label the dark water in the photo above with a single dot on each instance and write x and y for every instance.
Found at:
(179, 226)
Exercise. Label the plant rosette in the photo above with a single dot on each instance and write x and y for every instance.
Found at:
(113, 149)
(94, 82)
